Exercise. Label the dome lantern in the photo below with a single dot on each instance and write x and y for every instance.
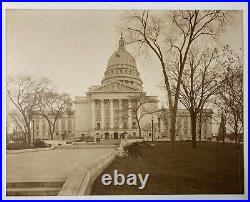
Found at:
(121, 42)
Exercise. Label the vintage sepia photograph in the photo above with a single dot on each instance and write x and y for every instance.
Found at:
(121, 102)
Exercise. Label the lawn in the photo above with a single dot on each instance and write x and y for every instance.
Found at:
(211, 168)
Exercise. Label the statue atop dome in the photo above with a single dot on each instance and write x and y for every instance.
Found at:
(121, 42)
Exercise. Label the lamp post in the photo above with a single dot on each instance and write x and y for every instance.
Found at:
(152, 133)
(33, 132)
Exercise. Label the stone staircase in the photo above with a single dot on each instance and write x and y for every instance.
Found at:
(34, 188)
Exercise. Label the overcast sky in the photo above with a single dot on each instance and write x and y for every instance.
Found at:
(72, 47)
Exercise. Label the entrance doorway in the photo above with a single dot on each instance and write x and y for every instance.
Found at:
(115, 135)
(106, 136)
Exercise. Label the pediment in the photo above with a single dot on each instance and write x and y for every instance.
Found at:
(115, 87)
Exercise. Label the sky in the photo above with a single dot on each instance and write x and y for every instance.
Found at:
(72, 47)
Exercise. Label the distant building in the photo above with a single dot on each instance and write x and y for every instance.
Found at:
(183, 125)
(64, 127)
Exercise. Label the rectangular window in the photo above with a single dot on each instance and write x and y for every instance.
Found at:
(63, 124)
(37, 124)
(125, 126)
(44, 124)
(57, 124)
(107, 125)
(116, 125)
(107, 113)
(134, 125)
(98, 126)
(69, 124)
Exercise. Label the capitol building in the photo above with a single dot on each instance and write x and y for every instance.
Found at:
(106, 111)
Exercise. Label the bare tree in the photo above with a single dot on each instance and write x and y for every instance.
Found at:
(145, 29)
(230, 97)
(200, 81)
(140, 109)
(52, 106)
(22, 92)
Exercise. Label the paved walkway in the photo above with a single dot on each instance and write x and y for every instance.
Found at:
(52, 164)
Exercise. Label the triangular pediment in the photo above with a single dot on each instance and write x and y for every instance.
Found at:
(115, 87)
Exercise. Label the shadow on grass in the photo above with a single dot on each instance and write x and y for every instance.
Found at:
(211, 168)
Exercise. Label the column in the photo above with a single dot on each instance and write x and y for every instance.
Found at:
(120, 113)
(129, 114)
(102, 114)
(111, 113)
(93, 114)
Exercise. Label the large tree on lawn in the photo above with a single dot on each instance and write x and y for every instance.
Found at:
(145, 29)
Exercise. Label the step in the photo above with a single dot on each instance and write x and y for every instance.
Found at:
(33, 191)
(16, 184)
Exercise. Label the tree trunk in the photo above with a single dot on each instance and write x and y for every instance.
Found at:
(28, 132)
(51, 131)
(172, 127)
(200, 126)
(139, 127)
(193, 128)
(199, 133)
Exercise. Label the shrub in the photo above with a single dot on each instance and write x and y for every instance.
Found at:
(40, 144)
(133, 150)
(17, 146)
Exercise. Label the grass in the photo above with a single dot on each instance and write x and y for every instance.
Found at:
(211, 168)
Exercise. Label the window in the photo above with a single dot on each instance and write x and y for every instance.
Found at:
(134, 125)
(57, 124)
(130, 72)
(116, 125)
(107, 113)
(37, 124)
(107, 125)
(120, 71)
(69, 124)
(125, 71)
(63, 124)
(44, 124)
(98, 126)
(125, 126)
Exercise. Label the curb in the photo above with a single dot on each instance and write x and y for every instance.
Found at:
(80, 181)
(29, 150)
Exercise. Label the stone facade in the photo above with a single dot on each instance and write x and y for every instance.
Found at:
(106, 110)
(64, 128)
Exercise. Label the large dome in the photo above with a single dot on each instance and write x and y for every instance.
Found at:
(122, 68)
